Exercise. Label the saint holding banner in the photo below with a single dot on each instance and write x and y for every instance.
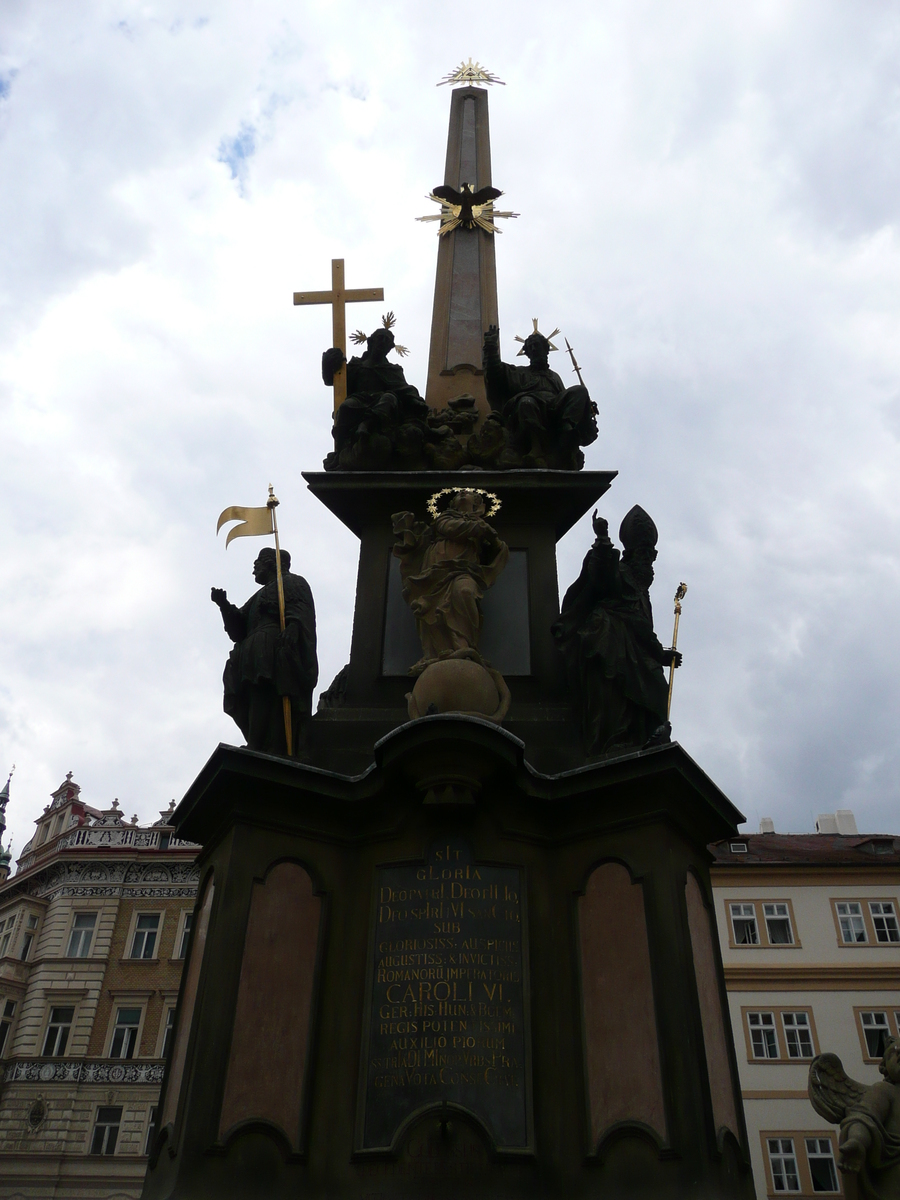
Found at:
(272, 670)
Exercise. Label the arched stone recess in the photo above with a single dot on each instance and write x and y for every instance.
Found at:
(187, 1002)
(715, 1039)
(267, 1080)
(621, 1045)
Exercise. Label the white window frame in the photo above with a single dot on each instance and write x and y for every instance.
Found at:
(134, 933)
(81, 912)
(797, 1021)
(52, 1004)
(763, 1024)
(887, 915)
(743, 915)
(95, 1123)
(781, 1155)
(777, 915)
(7, 1021)
(183, 935)
(851, 917)
(168, 1014)
(818, 1153)
(120, 1004)
(873, 1025)
(151, 1129)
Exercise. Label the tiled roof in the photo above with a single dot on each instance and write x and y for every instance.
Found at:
(872, 849)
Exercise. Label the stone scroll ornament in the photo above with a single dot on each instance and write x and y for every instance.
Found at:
(613, 658)
(869, 1117)
(445, 567)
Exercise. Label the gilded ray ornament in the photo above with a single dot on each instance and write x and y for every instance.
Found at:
(466, 209)
(469, 73)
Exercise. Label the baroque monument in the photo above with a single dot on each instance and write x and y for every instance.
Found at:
(454, 931)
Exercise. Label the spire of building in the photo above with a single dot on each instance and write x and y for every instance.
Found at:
(465, 290)
(4, 800)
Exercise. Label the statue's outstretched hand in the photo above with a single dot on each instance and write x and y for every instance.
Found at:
(672, 656)
(218, 596)
(601, 526)
(332, 360)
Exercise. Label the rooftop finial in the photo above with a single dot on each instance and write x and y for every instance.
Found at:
(469, 73)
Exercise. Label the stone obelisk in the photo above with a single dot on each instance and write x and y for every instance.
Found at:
(465, 289)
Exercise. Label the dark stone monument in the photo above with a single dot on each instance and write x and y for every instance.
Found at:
(449, 956)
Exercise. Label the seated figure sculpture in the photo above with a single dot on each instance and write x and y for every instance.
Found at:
(268, 663)
(546, 422)
(613, 658)
(383, 423)
(869, 1117)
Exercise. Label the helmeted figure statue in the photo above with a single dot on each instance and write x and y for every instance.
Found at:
(546, 422)
(605, 632)
(445, 568)
(869, 1117)
(267, 663)
(383, 422)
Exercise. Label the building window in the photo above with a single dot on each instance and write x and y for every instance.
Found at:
(743, 922)
(875, 1030)
(125, 1033)
(143, 944)
(106, 1131)
(9, 1011)
(850, 920)
(81, 936)
(169, 1030)
(797, 1034)
(151, 1130)
(820, 1156)
(762, 1034)
(57, 1036)
(783, 1164)
(884, 919)
(778, 925)
(6, 932)
(185, 934)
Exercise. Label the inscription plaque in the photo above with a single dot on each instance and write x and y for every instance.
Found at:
(447, 999)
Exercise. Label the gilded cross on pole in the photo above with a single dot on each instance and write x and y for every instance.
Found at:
(338, 298)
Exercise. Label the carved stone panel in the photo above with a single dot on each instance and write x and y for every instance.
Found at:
(620, 1037)
(267, 1067)
(447, 1000)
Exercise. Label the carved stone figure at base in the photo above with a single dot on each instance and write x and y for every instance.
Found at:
(869, 1117)
(613, 658)
(546, 422)
(267, 663)
(445, 568)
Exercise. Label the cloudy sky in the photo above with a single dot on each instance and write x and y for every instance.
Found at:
(709, 197)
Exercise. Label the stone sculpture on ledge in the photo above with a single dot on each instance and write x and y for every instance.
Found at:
(267, 663)
(869, 1117)
(546, 422)
(445, 568)
(605, 632)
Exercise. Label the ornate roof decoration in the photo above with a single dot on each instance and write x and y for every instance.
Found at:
(469, 73)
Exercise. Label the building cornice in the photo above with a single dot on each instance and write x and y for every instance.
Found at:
(803, 874)
(835, 978)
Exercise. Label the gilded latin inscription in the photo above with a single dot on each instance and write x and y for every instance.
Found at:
(447, 1000)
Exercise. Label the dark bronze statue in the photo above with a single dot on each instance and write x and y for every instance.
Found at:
(383, 423)
(869, 1117)
(546, 422)
(605, 632)
(267, 663)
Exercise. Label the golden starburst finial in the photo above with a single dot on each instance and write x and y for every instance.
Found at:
(469, 73)
(549, 337)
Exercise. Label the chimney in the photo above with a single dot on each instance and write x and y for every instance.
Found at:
(766, 825)
(826, 823)
(846, 822)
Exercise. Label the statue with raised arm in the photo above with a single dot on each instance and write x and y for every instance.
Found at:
(383, 423)
(869, 1117)
(613, 658)
(268, 663)
(546, 422)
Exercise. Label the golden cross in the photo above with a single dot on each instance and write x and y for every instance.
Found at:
(338, 297)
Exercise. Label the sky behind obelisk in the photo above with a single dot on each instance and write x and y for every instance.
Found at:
(709, 202)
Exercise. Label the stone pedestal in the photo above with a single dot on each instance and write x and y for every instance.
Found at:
(451, 975)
